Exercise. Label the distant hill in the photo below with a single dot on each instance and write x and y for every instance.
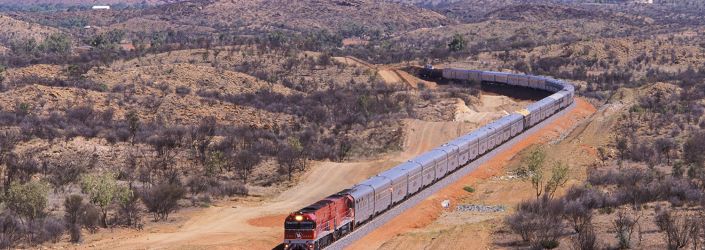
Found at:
(352, 17)
(17, 30)
(83, 2)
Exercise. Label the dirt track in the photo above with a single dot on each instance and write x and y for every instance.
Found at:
(389, 75)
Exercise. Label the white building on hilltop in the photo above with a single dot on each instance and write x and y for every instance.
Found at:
(101, 7)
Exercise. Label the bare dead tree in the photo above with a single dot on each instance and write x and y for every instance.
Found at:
(679, 229)
(624, 226)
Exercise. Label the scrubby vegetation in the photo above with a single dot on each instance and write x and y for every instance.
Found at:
(183, 104)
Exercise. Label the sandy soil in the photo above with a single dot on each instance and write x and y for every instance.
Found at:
(388, 74)
(413, 81)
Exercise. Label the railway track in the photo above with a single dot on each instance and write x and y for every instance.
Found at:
(447, 180)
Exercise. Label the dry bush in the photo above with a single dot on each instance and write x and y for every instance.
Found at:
(162, 199)
(679, 229)
(11, 230)
(46, 229)
(637, 186)
(585, 239)
(578, 214)
(623, 227)
(538, 221)
(129, 210)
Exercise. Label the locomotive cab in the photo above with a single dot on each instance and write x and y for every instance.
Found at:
(299, 231)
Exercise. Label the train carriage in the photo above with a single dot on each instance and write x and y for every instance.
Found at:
(473, 149)
(534, 113)
(474, 75)
(363, 197)
(451, 73)
(488, 76)
(491, 136)
(502, 77)
(429, 162)
(463, 146)
(442, 162)
(453, 159)
(399, 179)
(482, 145)
(537, 82)
(382, 192)
(415, 176)
(511, 79)
(553, 85)
(507, 132)
(517, 124)
(523, 80)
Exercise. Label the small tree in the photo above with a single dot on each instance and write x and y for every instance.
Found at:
(457, 43)
(245, 161)
(603, 154)
(622, 146)
(559, 176)
(679, 229)
(664, 146)
(133, 123)
(129, 210)
(215, 162)
(74, 212)
(27, 200)
(2, 75)
(693, 149)
(534, 166)
(539, 222)
(286, 157)
(577, 214)
(623, 227)
(103, 190)
(162, 199)
(58, 44)
(586, 239)
(11, 230)
(8, 140)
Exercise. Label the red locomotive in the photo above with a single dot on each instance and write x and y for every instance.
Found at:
(319, 224)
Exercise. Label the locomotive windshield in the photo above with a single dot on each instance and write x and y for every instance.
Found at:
(299, 225)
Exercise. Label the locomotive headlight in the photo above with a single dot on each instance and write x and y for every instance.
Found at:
(299, 218)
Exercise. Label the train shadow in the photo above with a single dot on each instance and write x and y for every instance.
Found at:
(279, 247)
(514, 92)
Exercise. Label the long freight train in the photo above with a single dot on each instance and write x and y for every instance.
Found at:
(318, 225)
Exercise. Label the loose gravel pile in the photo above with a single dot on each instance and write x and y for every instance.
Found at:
(480, 208)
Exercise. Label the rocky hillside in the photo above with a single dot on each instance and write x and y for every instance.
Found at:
(83, 2)
(13, 29)
(350, 15)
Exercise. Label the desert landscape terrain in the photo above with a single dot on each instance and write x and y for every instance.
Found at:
(204, 124)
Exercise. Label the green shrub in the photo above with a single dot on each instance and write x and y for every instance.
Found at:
(549, 244)
(469, 189)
